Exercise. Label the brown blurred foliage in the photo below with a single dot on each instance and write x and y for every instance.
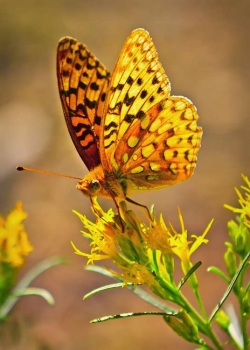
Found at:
(204, 48)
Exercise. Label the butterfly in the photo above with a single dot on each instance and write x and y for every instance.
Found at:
(130, 133)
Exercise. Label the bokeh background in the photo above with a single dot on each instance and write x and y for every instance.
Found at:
(204, 47)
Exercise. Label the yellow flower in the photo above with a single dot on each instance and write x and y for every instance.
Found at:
(244, 202)
(14, 243)
(184, 248)
(158, 236)
(101, 234)
(126, 248)
(166, 242)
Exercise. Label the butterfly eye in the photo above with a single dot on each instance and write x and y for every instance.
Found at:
(94, 186)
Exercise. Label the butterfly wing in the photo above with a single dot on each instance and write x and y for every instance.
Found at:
(161, 149)
(137, 84)
(148, 137)
(83, 82)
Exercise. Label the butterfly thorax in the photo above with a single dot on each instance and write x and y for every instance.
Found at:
(107, 185)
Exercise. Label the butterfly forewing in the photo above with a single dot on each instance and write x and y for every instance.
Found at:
(83, 82)
(137, 84)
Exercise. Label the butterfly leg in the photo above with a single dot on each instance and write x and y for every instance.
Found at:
(99, 212)
(140, 205)
(95, 206)
(118, 209)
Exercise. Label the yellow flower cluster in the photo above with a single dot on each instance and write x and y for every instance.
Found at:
(14, 243)
(143, 253)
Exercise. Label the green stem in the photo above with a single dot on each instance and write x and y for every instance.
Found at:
(244, 331)
(243, 315)
(201, 323)
(238, 291)
(243, 320)
(203, 311)
(174, 295)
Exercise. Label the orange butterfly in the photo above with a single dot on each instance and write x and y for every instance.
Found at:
(130, 133)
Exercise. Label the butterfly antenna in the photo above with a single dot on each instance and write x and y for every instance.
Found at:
(22, 168)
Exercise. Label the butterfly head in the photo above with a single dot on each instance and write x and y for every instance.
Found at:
(95, 183)
(89, 188)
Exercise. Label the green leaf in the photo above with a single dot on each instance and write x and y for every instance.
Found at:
(102, 289)
(22, 289)
(190, 272)
(130, 314)
(230, 287)
(137, 290)
(218, 272)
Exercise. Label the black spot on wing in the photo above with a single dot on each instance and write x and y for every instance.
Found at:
(73, 91)
(103, 96)
(155, 81)
(130, 80)
(81, 126)
(129, 118)
(114, 131)
(81, 107)
(143, 93)
(94, 86)
(65, 73)
(129, 100)
(78, 66)
(140, 115)
(82, 85)
(90, 104)
(97, 120)
(110, 125)
(111, 143)
(120, 86)
(139, 81)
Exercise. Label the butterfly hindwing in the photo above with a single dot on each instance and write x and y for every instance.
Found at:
(161, 148)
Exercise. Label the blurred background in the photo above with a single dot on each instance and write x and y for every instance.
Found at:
(204, 48)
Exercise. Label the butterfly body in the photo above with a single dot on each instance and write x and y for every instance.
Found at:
(108, 185)
(130, 133)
